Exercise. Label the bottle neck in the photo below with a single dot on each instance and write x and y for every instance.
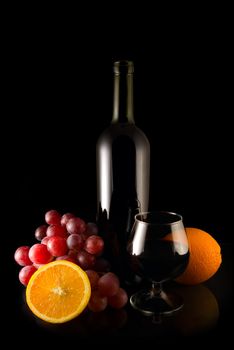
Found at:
(123, 92)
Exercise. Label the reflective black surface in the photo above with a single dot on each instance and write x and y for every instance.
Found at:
(206, 313)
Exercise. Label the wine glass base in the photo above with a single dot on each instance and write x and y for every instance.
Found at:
(161, 304)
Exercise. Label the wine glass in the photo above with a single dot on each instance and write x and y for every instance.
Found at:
(158, 251)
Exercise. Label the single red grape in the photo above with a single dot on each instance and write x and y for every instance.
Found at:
(39, 254)
(108, 284)
(67, 257)
(91, 229)
(76, 225)
(57, 246)
(102, 265)
(25, 274)
(94, 245)
(21, 256)
(85, 260)
(72, 254)
(37, 266)
(65, 218)
(97, 302)
(75, 242)
(56, 230)
(45, 240)
(93, 278)
(52, 217)
(40, 232)
(118, 300)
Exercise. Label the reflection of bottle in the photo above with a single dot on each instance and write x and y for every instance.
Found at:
(123, 168)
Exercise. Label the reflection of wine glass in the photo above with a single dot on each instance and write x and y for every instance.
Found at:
(158, 251)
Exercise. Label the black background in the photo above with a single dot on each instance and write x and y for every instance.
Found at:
(58, 98)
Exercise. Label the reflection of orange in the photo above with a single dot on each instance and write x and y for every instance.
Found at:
(179, 239)
(200, 312)
(58, 292)
(205, 257)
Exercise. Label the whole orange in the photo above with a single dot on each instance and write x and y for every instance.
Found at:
(204, 260)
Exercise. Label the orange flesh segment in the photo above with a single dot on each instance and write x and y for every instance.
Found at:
(58, 292)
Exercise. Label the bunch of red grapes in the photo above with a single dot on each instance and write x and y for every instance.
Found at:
(68, 237)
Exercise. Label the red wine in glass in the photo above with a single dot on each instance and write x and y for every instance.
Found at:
(158, 251)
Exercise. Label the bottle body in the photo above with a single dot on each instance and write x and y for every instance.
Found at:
(123, 177)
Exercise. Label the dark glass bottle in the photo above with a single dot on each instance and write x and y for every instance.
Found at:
(123, 171)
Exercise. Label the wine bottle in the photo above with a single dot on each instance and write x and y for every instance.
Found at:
(123, 171)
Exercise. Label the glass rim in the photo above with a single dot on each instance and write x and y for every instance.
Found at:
(170, 213)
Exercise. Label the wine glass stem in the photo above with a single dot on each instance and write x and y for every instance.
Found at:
(156, 289)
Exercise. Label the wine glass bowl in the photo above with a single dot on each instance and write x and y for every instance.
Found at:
(158, 251)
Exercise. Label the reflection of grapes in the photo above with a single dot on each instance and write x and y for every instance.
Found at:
(69, 238)
(106, 322)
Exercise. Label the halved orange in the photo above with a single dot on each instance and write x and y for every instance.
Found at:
(58, 291)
